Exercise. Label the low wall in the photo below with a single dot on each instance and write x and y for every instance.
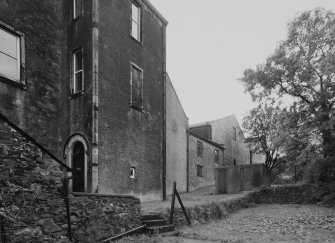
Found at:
(208, 212)
(96, 217)
(319, 194)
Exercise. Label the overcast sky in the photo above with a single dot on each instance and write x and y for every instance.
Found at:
(211, 42)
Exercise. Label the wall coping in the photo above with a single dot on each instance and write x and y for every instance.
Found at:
(84, 194)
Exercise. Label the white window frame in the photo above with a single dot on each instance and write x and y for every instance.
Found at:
(75, 88)
(136, 21)
(74, 6)
(18, 55)
(133, 65)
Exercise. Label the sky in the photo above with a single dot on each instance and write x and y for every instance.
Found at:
(211, 42)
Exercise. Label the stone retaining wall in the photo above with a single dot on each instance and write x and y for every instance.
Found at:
(29, 198)
(209, 212)
(320, 194)
(97, 217)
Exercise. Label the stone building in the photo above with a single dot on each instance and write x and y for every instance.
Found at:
(227, 132)
(87, 80)
(204, 156)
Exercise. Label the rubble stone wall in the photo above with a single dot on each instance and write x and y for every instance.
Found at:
(33, 207)
(319, 194)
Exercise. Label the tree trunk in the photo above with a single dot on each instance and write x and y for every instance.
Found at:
(328, 147)
(327, 133)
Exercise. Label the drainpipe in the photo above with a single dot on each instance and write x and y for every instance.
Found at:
(95, 96)
(164, 112)
(187, 161)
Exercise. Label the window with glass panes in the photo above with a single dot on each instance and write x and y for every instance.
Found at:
(78, 71)
(136, 21)
(9, 55)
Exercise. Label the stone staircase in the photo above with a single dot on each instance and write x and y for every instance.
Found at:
(156, 223)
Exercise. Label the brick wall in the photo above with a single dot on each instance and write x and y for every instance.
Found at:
(129, 137)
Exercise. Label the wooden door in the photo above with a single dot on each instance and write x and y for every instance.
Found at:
(78, 163)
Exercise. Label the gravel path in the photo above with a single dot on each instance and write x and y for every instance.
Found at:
(263, 223)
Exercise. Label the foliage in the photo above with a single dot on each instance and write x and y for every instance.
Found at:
(303, 67)
(264, 128)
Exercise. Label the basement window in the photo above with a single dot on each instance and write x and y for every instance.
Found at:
(132, 172)
(78, 71)
(199, 171)
(11, 55)
(136, 83)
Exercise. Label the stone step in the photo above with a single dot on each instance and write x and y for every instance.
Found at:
(152, 216)
(154, 222)
(160, 229)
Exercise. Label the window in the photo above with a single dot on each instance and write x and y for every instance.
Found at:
(199, 148)
(136, 83)
(10, 55)
(216, 155)
(132, 172)
(77, 8)
(199, 170)
(78, 71)
(234, 162)
(135, 21)
(234, 133)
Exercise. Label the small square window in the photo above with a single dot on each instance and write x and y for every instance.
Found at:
(199, 170)
(78, 71)
(136, 21)
(132, 172)
(136, 83)
(199, 148)
(77, 8)
(216, 155)
(10, 55)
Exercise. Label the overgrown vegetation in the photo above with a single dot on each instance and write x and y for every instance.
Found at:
(302, 68)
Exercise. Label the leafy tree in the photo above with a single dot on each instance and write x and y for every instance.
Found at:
(303, 67)
(264, 128)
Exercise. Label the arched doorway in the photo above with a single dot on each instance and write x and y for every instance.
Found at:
(78, 163)
(76, 155)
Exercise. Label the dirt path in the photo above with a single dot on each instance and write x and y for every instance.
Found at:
(263, 223)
